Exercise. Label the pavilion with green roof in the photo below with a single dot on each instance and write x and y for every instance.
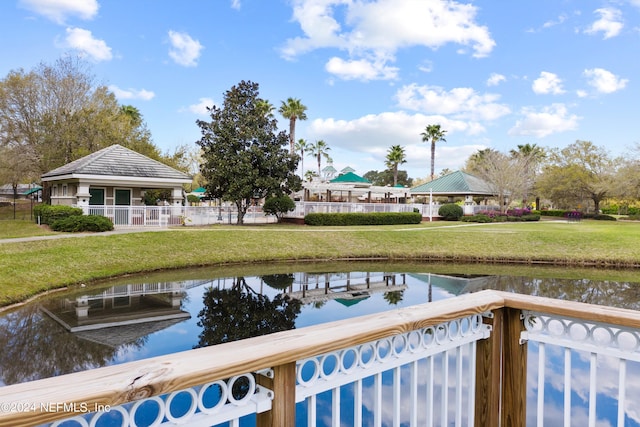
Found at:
(350, 187)
(456, 184)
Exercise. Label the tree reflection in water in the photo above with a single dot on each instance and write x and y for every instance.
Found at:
(240, 312)
(34, 346)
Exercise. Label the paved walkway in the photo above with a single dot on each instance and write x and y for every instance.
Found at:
(73, 235)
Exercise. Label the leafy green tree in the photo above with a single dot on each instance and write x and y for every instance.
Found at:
(293, 109)
(278, 206)
(386, 177)
(242, 154)
(578, 173)
(319, 150)
(433, 134)
(395, 156)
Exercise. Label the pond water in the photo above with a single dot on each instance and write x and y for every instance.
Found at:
(144, 316)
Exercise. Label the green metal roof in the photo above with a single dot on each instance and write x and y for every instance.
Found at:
(350, 177)
(455, 183)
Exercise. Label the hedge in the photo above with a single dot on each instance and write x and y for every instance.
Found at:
(500, 218)
(373, 218)
(47, 214)
(73, 224)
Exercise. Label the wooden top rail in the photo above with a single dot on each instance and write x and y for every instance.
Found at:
(118, 384)
(578, 310)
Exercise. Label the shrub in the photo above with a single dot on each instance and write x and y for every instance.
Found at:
(450, 212)
(372, 218)
(48, 214)
(278, 206)
(73, 224)
(193, 199)
(531, 217)
(601, 217)
(551, 212)
(482, 218)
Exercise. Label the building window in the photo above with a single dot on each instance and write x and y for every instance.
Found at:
(64, 190)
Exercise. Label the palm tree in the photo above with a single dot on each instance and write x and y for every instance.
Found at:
(433, 133)
(292, 109)
(319, 149)
(301, 146)
(132, 113)
(395, 156)
(265, 107)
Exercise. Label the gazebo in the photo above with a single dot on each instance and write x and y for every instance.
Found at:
(352, 188)
(113, 176)
(456, 184)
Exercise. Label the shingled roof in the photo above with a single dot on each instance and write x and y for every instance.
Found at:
(117, 160)
(455, 183)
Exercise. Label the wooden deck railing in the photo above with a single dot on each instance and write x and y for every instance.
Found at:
(500, 370)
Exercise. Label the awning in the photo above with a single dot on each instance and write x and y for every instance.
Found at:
(33, 190)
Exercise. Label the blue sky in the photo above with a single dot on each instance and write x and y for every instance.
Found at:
(372, 73)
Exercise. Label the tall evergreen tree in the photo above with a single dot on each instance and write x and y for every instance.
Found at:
(242, 151)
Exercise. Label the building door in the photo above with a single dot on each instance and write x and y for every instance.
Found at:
(96, 201)
(122, 198)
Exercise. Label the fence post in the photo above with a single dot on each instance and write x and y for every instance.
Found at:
(514, 370)
(488, 355)
(501, 373)
(283, 406)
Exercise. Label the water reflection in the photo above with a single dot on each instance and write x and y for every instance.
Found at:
(239, 312)
(136, 318)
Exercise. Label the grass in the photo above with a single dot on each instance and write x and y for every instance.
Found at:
(28, 268)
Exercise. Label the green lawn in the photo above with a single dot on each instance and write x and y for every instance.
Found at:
(31, 267)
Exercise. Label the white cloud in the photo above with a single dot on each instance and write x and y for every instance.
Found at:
(361, 69)
(604, 81)
(142, 94)
(547, 83)
(59, 10)
(83, 41)
(235, 4)
(376, 130)
(184, 49)
(201, 107)
(551, 119)
(558, 21)
(495, 79)
(367, 139)
(462, 103)
(426, 66)
(379, 28)
(610, 23)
